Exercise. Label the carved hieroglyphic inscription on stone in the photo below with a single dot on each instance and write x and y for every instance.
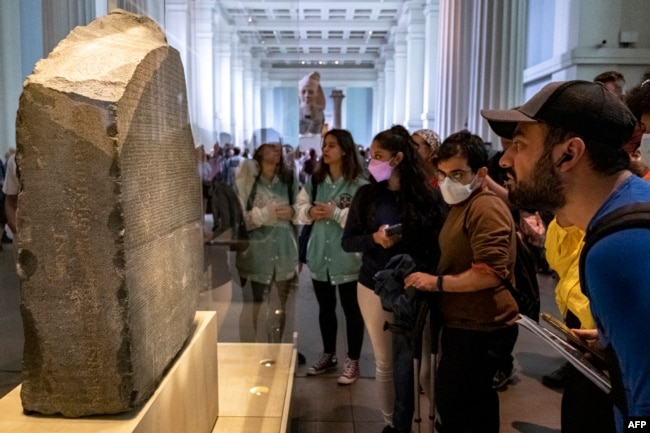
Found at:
(109, 218)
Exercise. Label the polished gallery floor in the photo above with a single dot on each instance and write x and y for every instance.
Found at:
(318, 404)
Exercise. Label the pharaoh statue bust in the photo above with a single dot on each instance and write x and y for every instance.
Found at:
(312, 104)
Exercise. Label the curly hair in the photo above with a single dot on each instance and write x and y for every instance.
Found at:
(415, 194)
(351, 164)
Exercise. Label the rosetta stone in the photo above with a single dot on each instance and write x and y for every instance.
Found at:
(110, 248)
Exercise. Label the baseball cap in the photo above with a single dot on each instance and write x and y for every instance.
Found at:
(582, 107)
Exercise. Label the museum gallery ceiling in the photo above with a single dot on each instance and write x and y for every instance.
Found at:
(325, 34)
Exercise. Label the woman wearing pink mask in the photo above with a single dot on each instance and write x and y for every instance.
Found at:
(398, 194)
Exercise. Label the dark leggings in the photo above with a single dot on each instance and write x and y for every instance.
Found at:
(326, 297)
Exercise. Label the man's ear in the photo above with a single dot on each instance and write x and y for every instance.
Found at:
(482, 172)
(572, 151)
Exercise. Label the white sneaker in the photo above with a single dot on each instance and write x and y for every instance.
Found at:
(350, 372)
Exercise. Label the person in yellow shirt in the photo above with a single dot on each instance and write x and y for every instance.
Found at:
(563, 246)
(584, 406)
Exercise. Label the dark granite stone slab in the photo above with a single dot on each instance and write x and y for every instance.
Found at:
(109, 218)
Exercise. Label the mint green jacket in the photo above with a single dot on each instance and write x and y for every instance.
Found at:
(325, 256)
(272, 253)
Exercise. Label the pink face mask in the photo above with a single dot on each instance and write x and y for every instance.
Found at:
(380, 170)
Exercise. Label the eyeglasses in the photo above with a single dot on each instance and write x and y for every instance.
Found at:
(456, 175)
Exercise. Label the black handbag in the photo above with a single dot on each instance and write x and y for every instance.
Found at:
(305, 232)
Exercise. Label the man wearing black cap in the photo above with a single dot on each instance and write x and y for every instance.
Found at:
(568, 158)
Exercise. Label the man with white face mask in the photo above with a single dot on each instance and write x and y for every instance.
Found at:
(478, 250)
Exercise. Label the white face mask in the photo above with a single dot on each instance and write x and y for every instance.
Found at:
(454, 192)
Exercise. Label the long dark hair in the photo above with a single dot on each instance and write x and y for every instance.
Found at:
(351, 165)
(415, 195)
(284, 172)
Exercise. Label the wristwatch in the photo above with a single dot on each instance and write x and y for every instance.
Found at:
(439, 283)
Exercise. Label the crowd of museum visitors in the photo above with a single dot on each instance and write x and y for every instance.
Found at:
(416, 238)
(417, 224)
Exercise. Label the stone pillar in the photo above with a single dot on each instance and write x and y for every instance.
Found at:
(378, 97)
(222, 77)
(61, 17)
(257, 92)
(399, 83)
(388, 102)
(248, 97)
(237, 92)
(415, 60)
(11, 78)
(202, 67)
(497, 80)
(337, 96)
(430, 86)
(267, 114)
(454, 60)
(177, 16)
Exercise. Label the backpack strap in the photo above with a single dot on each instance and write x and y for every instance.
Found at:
(314, 188)
(635, 215)
(251, 195)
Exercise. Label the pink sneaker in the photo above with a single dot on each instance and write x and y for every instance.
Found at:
(350, 372)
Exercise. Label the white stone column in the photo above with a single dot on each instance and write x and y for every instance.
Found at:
(430, 84)
(101, 8)
(61, 17)
(399, 83)
(177, 30)
(177, 17)
(237, 93)
(389, 99)
(415, 58)
(454, 60)
(201, 83)
(257, 92)
(222, 81)
(11, 77)
(154, 9)
(496, 78)
(267, 101)
(248, 97)
(378, 99)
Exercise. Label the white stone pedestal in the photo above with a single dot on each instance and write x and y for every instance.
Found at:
(186, 400)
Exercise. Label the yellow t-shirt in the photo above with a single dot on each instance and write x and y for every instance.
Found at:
(563, 246)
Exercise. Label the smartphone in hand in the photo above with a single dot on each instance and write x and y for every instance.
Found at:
(393, 230)
(560, 326)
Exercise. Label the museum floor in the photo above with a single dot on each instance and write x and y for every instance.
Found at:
(318, 404)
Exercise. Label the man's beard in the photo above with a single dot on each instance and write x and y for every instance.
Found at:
(544, 190)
